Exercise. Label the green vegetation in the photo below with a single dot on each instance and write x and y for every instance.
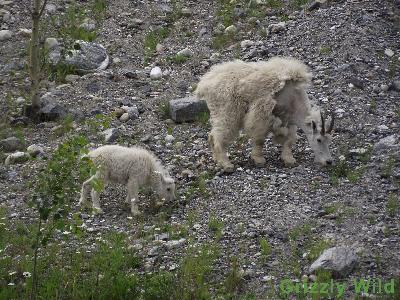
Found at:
(266, 248)
(203, 118)
(324, 50)
(392, 205)
(275, 3)
(297, 4)
(151, 40)
(215, 225)
(222, 40)
(343, 170)
(164, 109)
(178, 59)
(199, 187)
(388, 167)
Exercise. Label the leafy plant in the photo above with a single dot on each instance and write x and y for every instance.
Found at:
(266, 249)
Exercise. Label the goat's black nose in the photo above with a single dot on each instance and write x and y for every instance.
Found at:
(329, 162)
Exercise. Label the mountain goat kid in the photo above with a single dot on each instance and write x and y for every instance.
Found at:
(262, 97)
(134, 167)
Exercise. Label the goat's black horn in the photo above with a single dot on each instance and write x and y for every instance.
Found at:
(322, 124)
(330, 128)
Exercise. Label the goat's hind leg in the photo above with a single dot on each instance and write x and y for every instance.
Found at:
(219, 140)
(287, 155)
(132, 196)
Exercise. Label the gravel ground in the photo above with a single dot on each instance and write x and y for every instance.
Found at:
(346, 45)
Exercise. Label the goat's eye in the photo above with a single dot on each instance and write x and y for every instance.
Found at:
(168, 189)
(319, 140)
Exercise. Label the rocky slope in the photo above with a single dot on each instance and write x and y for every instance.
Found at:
(353, 50)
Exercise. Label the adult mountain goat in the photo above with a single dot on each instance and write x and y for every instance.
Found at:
(134, 167)
(262, 97)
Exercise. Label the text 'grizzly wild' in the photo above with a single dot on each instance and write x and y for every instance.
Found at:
(262, 97)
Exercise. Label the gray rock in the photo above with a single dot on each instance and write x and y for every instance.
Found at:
(155, 73)
(169, 138)
(386, 143)
(124, 117)
(51, 110)
(231, 29)
(51, 43)
(277, 27)
(175, 243)
(133, 111)
(34, 150)
(88, 25)
(17, 157)
(85, 56)
(5, 35)
(51, 8)
(187, 109)
(186, 52)
(110, 135)
(71, 78)
(11, 144)
(338, 260)
(389, 52)
(20, 100)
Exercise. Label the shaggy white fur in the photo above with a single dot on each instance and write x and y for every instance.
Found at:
(135, 167)
(253, 96)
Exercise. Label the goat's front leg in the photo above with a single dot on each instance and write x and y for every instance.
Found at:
(133, 196)
(287, 155)
(85, 191)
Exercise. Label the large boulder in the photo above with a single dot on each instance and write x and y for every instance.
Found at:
(85, 57)
(187, 109)
(17, 157)
(12, 144)
(340, 261)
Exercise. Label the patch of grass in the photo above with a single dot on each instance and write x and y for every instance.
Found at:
(275, 3)
(331, 209)
(342, 169)
(388, 167)
(199, 187)
(178, 59)
(372, 105)
(216, 225)
(66, 125)
(98, 9)
(70, 29)
(266, 248)
(99, 122)
(151, 40)
(316, 249)
(398, 113)
(394, 66)
(59, 72)
(204, 118)
(195, 268)
(263, 183)
(225, 12)
(221, 41)
(392, 205)
(164, 109)
(297, 4)
(234, 281)
(324, 50)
